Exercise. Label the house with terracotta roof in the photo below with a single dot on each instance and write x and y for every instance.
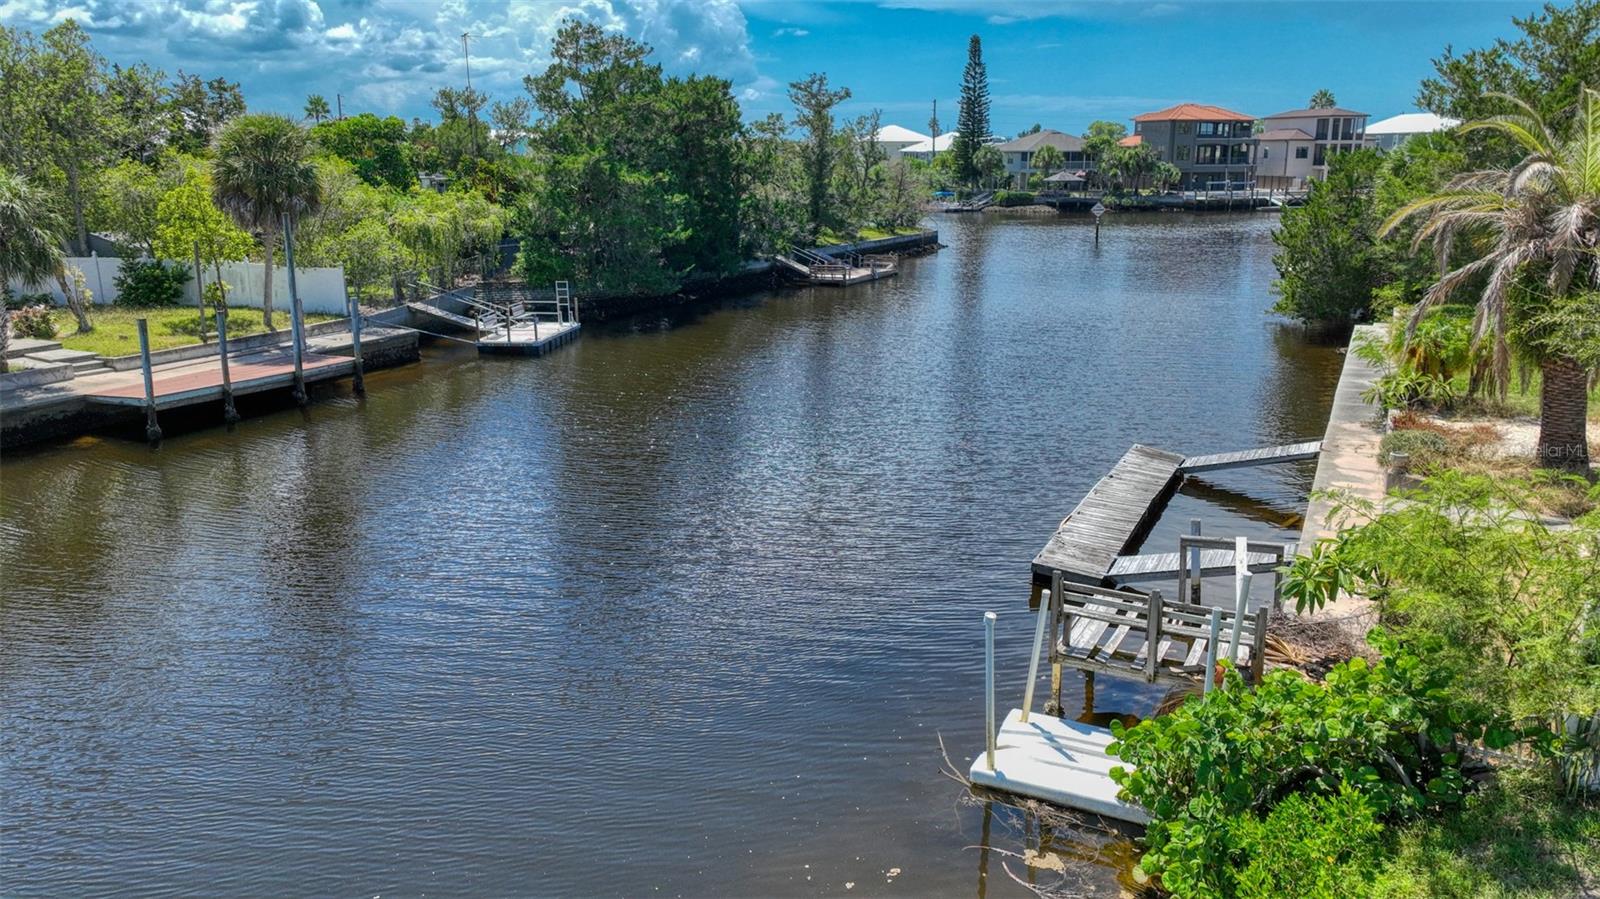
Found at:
(1213, 147)
(1293, 158)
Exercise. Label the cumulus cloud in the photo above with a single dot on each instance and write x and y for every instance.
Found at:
(388, 55)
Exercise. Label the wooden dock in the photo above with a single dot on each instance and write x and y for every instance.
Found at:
(1115, 515)
(1271, 455)
(199, 381)
(838, 271)
(1164, 566)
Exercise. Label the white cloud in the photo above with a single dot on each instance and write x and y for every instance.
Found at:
(790, 32)
(391, 54)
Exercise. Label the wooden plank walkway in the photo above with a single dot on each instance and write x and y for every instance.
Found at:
(1270, 455)
(1116, 632)
(196, 381)
(1061, 762)
(1112, 518)
(1162, 566)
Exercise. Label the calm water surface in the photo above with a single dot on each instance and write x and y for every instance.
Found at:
(681, 609)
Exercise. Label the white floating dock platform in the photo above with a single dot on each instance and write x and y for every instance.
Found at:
(528, 339)
(1062, 762)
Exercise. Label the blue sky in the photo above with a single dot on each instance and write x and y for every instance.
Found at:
(1061, 64)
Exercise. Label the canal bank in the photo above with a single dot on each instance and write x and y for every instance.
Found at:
(260, 662)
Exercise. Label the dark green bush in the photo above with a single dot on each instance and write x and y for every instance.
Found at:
(1014, 198)
(147, 283)
(1387, 732)
(1309, 847)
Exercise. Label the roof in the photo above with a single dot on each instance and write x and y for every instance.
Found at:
(938, 144)
(1284, 134)
(1046, 138)
(1313, 113)
(1412, 123)
(1064, 176)
(896, 134)
(1132, 140)
(1193, 112)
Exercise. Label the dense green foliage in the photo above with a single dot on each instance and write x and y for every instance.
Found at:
(150, 282)
(1468, 576)
(1390, 733)
(375, 146)
(1328, 257)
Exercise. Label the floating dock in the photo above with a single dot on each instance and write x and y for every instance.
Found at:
(1058, 761)
(507, 317)
(838, 271)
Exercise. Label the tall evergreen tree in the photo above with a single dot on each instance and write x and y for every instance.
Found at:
(972, 118)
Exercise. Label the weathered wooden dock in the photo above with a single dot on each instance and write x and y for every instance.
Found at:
(1093, 544)
(507, 317)
(199, 381)
(1116, 514)
(838, 271)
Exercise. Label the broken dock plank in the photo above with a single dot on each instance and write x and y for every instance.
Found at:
(1160, 566)
(1116, 514)
(1269, 455)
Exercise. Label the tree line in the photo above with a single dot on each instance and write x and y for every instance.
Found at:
(612, 174)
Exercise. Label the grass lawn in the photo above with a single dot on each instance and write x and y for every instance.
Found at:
(1519, 839)
(830, 238)
(1518, 402)
(116, 334)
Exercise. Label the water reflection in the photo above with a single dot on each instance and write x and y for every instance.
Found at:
(683, 607)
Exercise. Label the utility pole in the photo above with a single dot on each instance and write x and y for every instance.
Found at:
(933, 125)
(472, 109)
(338, 100)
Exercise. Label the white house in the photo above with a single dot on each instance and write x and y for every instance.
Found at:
(1393, 131)
(926, 149)
(1283, 159)
(894, 139)
(1018, 154)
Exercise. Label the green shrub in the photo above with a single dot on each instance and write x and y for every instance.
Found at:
(144, 283)
(1469, 578)
(1014, 198)
(34, 322)
(1425, 448)
(1408, 389)
(1309, 847)
(1390, 733)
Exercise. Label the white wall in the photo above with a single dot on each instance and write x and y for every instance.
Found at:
(321, 289)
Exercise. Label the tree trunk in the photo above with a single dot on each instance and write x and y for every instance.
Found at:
(269, 243)
(69, 289)
(1563, 416)
(5, 336)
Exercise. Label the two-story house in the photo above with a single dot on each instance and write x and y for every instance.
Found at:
(1213, 147)
(1302, 140)
(1019, 155)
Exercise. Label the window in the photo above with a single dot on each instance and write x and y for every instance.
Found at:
(1265, 152)
(1185, 127)
(1345, 131)
(1321, 156)
(1322, 129)
(1300, 152)
(1208, 129)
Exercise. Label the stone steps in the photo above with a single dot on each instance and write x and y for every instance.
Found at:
(26, 346)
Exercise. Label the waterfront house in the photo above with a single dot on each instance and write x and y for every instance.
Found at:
(1019, 153)
(926, 149)
(1213, 147)
(1331, 131)
(1393, 131)
(893, 140)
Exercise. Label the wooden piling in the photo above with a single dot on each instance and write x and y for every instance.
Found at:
(1258, 647)
(152, 430)
(1211, 649)
(296, 326)
(1152, 637)
(358, 365)
(1053, 705)
(230, 415)
(1195, 592)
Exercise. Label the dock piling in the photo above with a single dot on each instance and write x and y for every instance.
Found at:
(1053, 707)
(988, 684)
(296, 326)
(1241, 593)
(1194, 566)
(230, 415)
(152, 430)
(1211, 650)
(1033, 662)
(358, 365)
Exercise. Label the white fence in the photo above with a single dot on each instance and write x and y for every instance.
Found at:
(321, 289)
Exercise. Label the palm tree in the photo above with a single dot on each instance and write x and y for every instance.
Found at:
(1047, 160)
(316, 108)
(30, 243)
(263, 172)
(1533, 229)
(1322, 99)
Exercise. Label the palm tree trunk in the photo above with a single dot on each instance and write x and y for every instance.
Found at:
(269, 243)
(5, 336)
(1563, 416)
